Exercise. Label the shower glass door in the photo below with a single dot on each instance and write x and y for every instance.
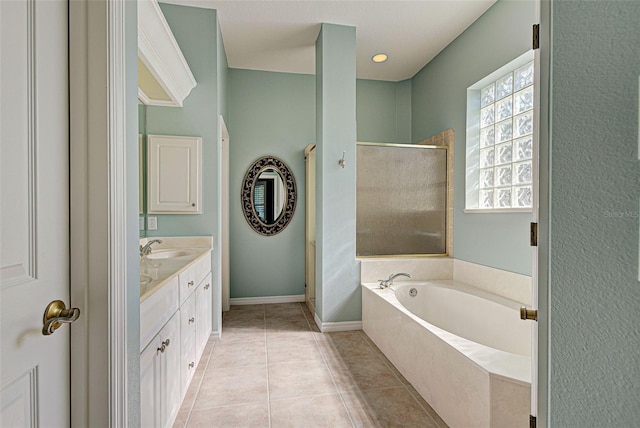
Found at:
(401, 200)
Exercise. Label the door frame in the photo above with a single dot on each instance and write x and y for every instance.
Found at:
(310, 194)
(225, 220)
(98, 211)
(544, 186)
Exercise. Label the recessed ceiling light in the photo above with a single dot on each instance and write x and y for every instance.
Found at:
(379, 57)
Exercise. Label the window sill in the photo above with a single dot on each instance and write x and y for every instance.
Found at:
(497, 210)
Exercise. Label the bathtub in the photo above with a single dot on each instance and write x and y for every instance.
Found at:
(465, 350)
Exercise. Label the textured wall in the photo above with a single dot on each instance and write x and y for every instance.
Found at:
(439, 102)
(593, 283)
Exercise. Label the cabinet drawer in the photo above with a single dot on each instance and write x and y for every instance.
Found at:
(190, 278)
(157, 310)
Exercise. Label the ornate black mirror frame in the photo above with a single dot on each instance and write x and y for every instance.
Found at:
(248, 185)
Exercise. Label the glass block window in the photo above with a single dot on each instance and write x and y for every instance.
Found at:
(501, 168)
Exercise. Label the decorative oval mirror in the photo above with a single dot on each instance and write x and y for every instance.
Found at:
(268, 195)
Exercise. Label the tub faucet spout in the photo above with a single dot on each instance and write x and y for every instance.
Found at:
(384, 283)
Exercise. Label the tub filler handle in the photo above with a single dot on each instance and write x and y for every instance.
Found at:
(384, 283)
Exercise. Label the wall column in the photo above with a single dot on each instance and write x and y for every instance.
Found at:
(338, 296)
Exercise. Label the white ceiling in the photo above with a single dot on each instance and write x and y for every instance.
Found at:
(280, 35)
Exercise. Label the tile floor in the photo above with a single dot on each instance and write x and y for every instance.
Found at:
(273, 368)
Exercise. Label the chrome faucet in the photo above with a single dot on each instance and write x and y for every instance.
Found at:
(147, 247)
(384, 283)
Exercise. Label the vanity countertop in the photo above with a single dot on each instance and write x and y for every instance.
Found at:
(161, 271)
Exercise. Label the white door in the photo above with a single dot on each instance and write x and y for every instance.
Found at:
(34, 222)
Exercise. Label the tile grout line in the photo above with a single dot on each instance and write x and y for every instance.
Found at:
(195, 397)
(324, 360)
(421, 406)
(266, 365)
(395, 373)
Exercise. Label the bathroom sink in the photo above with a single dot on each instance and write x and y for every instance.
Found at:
(168, 254)
(145, 279)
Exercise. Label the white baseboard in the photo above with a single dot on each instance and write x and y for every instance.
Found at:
(266, 300)
(328, 327)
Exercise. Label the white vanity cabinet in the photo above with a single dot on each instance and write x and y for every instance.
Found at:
(174, 178)
(175, 324)
(194, 320)
(160, 392)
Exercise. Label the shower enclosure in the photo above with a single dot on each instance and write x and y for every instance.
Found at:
(401, 200)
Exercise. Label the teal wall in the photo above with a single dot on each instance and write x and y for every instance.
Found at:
(270, 113)
(274, 113)
(337, 271)
(404, 114)
(223, 77)
(594, 356)
(132, 297)
(196, 31)
(439, 96)
(383, 111)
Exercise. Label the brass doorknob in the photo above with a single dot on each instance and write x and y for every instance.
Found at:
(56, 314)
(528, 314)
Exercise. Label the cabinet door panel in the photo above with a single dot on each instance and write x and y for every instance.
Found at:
(174, 174)
(203, 312)
(188, 321)
(170, 390)
(150, 385)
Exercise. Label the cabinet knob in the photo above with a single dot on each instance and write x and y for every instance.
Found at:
(190, 284)
(206, 287)
(164, 345)
(192, 320)
(192, 364)
(193, 204)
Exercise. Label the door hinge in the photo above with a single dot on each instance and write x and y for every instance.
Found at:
(536, 36)
(532, 421)
(533, 235)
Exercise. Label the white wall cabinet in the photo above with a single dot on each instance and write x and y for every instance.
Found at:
(174, 178)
